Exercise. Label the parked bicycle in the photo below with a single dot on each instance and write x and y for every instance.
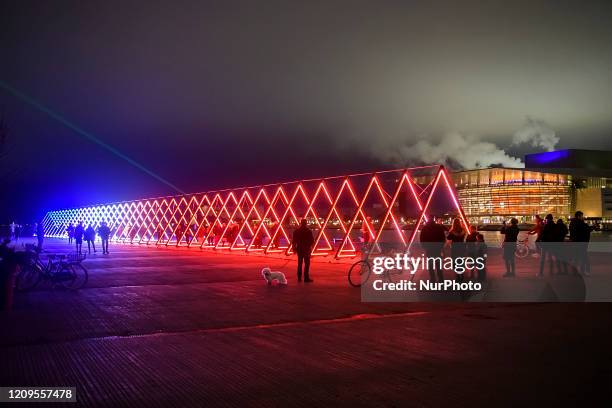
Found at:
(359, 273)
(60, 269)
(522, 248)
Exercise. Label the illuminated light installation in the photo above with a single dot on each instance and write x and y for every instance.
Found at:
(442, 175)
(259, 219)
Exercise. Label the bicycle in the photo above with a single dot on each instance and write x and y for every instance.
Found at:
(65, 270)
(360, 271)
(522, 248)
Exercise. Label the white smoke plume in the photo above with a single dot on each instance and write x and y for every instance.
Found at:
(537, 134)
(454, 150)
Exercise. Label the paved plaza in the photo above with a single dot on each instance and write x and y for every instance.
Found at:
(177, 327)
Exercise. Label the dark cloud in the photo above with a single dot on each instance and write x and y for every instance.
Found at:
(291, 89)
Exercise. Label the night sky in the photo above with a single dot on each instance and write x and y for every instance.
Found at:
(220, 94)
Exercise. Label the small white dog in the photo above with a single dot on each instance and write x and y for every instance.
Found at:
(270, 276)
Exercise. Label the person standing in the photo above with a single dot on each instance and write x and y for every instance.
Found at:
(510, 236)
(549, 236)
(13, 228)
(456, 240)
(104, 233)
(90, 237)
(580, 235)
(302, 245)
(40, 235)
(475, 248)
(433, 236)
(70, 231)
(537, 231)
(79, 231)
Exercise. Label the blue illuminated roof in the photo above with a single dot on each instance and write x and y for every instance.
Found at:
(548, 157)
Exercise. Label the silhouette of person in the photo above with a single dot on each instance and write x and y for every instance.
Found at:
(580, 235)
(13, 228)
(104, 233)
(456, 240)
(549, 236)
(302, 243)
(366, 225)
(537, 231)
(40, 235)
(79, 231)
(70, 231)
(510, 233)
(433, 236)
(475, 247)
(90, 237)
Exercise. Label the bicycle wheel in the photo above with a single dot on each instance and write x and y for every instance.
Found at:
(359, 273)
(521, 251)
(73, 276)
(28, 278)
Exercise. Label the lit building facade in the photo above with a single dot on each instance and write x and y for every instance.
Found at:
(493, 195)
(558, 183)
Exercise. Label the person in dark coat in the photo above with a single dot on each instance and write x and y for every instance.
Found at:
(79, 231)
(302, 243)
(104, 233)
(70, 231)
(90, 237)
(456, 240)
(40, 235)
(433, 236)
(510, 233)
(548, 239)
(580, 235)
(476, 248)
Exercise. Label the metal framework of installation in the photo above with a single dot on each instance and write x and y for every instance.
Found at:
(341, 210)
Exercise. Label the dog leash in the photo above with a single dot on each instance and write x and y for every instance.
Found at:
(285, 264)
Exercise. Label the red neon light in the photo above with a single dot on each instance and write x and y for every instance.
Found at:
(280, 194)
(196, 235)
(261, 194)
(193, 220)
(333, 210)
(440, 175)
(310, 210)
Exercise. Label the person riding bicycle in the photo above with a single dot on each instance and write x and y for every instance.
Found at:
(537, 231)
